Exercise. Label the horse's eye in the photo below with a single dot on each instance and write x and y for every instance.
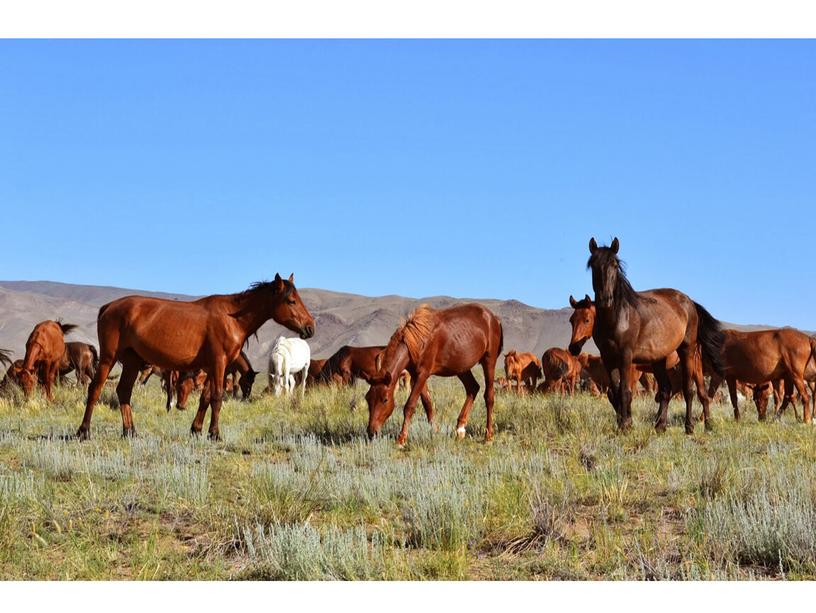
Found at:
(291, 301)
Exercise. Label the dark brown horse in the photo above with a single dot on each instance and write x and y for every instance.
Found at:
(767, 355)
(349, 364)
(446, 343)
(243, 376)
(207, 333)
(80, 358)
(44, 349)
(647, 328)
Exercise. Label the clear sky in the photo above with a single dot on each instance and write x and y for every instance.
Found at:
(466, 168)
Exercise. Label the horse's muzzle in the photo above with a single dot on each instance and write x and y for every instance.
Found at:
(307, 332)
(575, 348)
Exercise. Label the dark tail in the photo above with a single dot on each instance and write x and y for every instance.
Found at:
(5, 357)
(501, 339)
(710, 338)
(553, 365)
(95, 357)
(66, 328)
(102, 310)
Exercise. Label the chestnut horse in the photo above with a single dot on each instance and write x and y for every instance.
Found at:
(561, 371)
(207, 333)
(350, 363)
(767, 355)
(80, 358)
(522, 367)
(44, 349)
(447, 343)
(647, 328)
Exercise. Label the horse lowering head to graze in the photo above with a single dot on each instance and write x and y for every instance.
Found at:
(242, 376)
(12, 376)
(447, 343)
(561, 371)
(186, 383)
(582, 321)
(44, 350)
(207, 334)
(647, 328)
(768, 355)
(348, 364)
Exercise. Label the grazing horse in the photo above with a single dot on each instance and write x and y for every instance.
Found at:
(289, 356)
(767, 355)
(351, 363)
(185, 383)
(647, 328)
(242, 374)
(447, 343)
(522, 367)
(207, 333)
(44, 349)
(561, 371)
(80, 358)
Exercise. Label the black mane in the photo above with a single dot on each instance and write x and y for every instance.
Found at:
(624, 293)
(260, 286)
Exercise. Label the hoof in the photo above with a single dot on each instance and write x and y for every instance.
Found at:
(194, 432)
(709, 426)
(180, 408)
(460, 432)
(128, 432)
(689, 429)
(660, 428)
(83, 434)
(214, 436)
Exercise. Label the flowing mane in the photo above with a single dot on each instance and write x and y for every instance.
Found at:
(416, 330)
(624, 293)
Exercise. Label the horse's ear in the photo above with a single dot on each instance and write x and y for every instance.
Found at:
(615, 245)
(292, 278)
(278, 283)
(588, 299)
(593, 246)
(277, 277)
(573, 303)
(378, 360)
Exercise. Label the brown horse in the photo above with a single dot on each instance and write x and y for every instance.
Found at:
(207, 333)
(447, 343)
(80, 358)
(524, 368)
(647, 328)
(44, 349)
(185, 383)
(241, 371)
(561, 371)
(767, 355)
(351, 363)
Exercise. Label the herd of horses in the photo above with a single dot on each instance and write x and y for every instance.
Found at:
(659, 339)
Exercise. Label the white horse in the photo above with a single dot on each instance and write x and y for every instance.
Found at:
(287, 357)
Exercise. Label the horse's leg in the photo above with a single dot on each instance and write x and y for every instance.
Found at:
(203, 404)
(626, 390)
(687, 363)
(167, 378)
(106, 362)
(124, 390)
(51, 375)
(664, 393)
(410, 405)
(732, 392)
(303, 374)
(714, 384)
(702, 396)
(471, 389)
(805, 396)
(216, 398)
(489, 369)
(427, 404)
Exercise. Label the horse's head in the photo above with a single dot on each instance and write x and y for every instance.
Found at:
(380, 399)
(185, 384)
(605, 267)
(762, 395)
(246, 383)
(27, 379)
(582, 321)
(289, 310)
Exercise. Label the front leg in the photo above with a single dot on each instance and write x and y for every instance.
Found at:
(625, 392)
(418, 384)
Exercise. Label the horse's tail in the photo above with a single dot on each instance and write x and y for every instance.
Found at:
(66, 328)
(95, 360)
(5, 357)
(501, 339)
(102, 310)
(553, 366)
(710, 337)
(812, 351)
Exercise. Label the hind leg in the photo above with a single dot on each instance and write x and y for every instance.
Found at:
(732, 392)
(686, 373)
(702, 395)
(805, 396)
(663, 396)
(124, 390)
(94, 391)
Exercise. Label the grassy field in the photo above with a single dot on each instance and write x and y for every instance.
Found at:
(296, 491)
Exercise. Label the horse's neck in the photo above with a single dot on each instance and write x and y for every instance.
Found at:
(397, 364)
(250, 311)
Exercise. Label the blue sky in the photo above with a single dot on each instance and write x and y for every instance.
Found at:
(467, 168)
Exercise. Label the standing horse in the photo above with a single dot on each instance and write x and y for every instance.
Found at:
(524, 368)
(647, 328)
(80, 358)
(287, 357)
(561, 371)
(348, 364)
(44, 350)
(446, 343)
(207, 333)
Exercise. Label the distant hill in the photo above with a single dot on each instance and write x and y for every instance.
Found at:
(342, 319)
